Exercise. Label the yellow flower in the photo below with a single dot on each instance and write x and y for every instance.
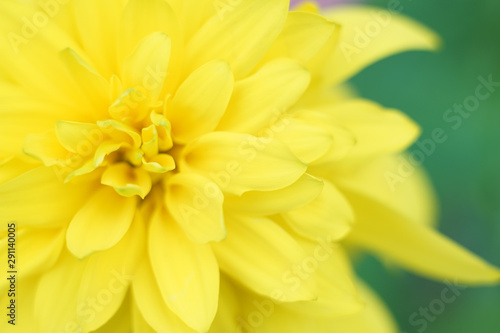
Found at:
(197, 166)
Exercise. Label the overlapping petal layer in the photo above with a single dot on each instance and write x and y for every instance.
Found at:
(182, 166)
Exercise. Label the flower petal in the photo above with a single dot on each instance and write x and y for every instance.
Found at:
(187, 273)
(100, 223)
(160, 163)
(241, 255)
(232, 35)
(306, 140)
(24, 304)
(192, 14)
(329, 214)
(81, 138)
(151, 307)
(409, 193)
(264, 203)
(107, 276)
(415, 246)
(39, 249)
(121, 320)
(98, 25)
(238, 163)
(56, 313)
(200, 101)
(139, 324)
(329, 265)
(14, 167)
(143, 17)
(46, 148)
(369, 34)
(127, 180)
(146, 67)
(259, 100)
(93, 85)
(30, 54)
(38, 197)
(375, 317)
(195, 203)
(302, 37)
(23, 116)
(377, 131)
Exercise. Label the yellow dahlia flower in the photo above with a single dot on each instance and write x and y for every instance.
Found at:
(197, 166)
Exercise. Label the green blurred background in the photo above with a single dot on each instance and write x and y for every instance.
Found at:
(465, 169)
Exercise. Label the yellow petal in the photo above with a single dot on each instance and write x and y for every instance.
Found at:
(329, 265)
(415, 246)
(14, 167)
(131, 106)
(306, 140)
(187, 273)
(307, 6)
(127, 180)
(343, 143)
(46, 148)
(30, 54)
(262, 203)
(104, 149)
(152, 312)
(23, 116)
(142, 18)
(160, 163)
(10, 89)
(124, 132)
(200, 101)
(149, 141)
(81, 138)
(329, 214)
(302, 37)
(261, 256)
(238, 163)
(24, 305)
(192, 14)
(230, 306)
(57, 314)
(375, 317)
(38, 197)
(94, 86)
(139, 324)
(121, 321)
(100, 223)
(86, 168)
(259, 100)
(370, 34)
(195, 203)
(232, 35)
(98, 25)
(333, 141)
(391, 181)
(150, 57)
(39, 249)
(377, 131)
(96, 288)
(107, 276)
(164, 129)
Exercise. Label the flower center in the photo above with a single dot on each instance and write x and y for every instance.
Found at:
(129, 147)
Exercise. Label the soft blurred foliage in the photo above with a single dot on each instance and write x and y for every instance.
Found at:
(465, 169)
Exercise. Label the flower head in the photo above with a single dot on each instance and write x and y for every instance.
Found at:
(172, 165)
